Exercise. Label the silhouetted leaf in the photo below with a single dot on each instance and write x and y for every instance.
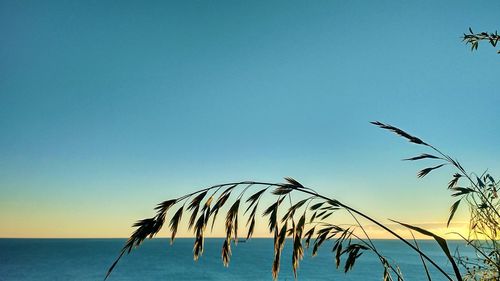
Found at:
(220, 202)
(425, 171)
(193, 216)
(400, 132)
(490, 178)
(232, 220)
(282, 190)
(338, 253)
(453, 209)
(319, 240)
(299, 204)
(278, 246)
(251, 228)
(334, 203)
(313, 217)
(144, 229)
(454, 180)
(165, 205)
(199, 237)
(354, 252)
(326, 215)
(298, 251)
(113, 265)
(226, 252)
(462, 191)
(291, 211)
(272, 212)
(196, 201)
(422, 156)
(208, 203)
(441, 242)
(254, 198)
(480, 182)
(308, 236)
(174, 223)
(294, 182)
(316, 206)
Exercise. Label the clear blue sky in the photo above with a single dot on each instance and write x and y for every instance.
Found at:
(108, 107)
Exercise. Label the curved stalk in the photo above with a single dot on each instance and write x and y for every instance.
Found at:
(457, 274)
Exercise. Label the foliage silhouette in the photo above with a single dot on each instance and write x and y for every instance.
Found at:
(474, 38)
(305, 219)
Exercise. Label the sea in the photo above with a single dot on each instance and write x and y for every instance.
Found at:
(156, 259)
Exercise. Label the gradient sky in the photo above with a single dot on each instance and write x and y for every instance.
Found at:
(109, 107)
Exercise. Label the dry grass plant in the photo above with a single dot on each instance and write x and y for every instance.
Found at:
(304, 223)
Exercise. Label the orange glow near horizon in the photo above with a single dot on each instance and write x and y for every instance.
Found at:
(373, 231)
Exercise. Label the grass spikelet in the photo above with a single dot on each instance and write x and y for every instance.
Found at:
(174, 223)
(226, 252)
(399, 132)
(422, 173)
(298, 251)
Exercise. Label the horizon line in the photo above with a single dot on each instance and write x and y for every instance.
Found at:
(177, 238)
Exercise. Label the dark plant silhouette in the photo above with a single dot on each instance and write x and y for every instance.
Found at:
(480, 194)
(474, 38)
(304, 220)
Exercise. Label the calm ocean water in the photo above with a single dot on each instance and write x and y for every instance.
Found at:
(89, 259)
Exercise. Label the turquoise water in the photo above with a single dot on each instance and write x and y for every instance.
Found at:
(89, 259)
